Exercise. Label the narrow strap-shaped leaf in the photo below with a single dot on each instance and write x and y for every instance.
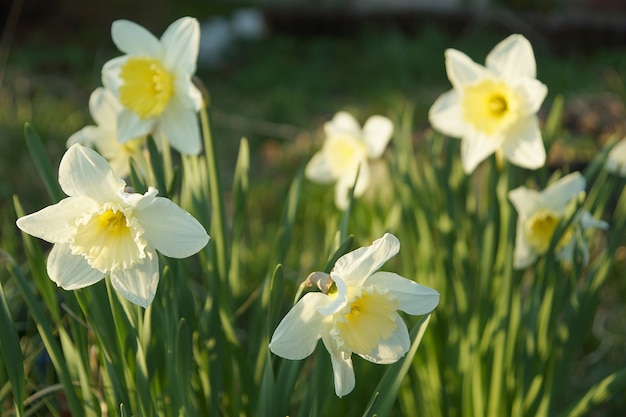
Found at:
(387, 389)
(42, 163)
(11, 352)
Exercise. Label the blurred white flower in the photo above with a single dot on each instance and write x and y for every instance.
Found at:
(104, 109)
(346, 151)
(101, 229)
(493, 108)
(539, 214)
(358, 314)
(153, 83)
(616, 159)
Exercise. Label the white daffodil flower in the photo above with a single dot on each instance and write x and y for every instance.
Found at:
(539, 214)
(357, 315)
(345, 153)
(493, 108)
(101, 229)
(153, 83)
(104, 108)
(616, 159)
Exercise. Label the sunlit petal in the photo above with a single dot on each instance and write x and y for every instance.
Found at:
(475, 148)
(390, 350)
(298, 332)
(138, 284)
(414, 298)
(355, 267)
(377, 132)
(133, 39)
(69, 271)
(180, 42)
(180, 126)
(446, 115)
(513, 57)
(462, 70)
(524, 146)
(343, 372)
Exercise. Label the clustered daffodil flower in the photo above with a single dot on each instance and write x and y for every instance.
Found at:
(539, 214)
(103, 229)
(104, 109)
(493, 108)
(153, 82)
(616, 159)
(345, 153)
(358, 314)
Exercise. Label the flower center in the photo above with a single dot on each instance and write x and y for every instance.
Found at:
(344, 153)
(539, 229)
(489, 106)
(368, 319)
(147, 87)
(109, 239)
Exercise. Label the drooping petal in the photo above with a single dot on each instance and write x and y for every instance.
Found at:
(462, 70)
(523, 145)
(318, 169)
(343, 372)
(298, 332)
(616, 159)
(587, 221)
(69, 271)
(54, 223)
(104, 107)
(446, 115)
(180, 42)
(475, 148)
(377, 132)
(558, 194)
(392, 348)
(180, 126)
(138, 284)
(131, 126)
(133, 39)
(82, 172)
(513, 58)
(414, 298)
(343, 123)
(173, 231)
(356, 266)
(339, 301)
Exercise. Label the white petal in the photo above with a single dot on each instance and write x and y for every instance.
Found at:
(446, 115)
(88, 135)
(111, 74)
(181, 41)
(180, 126)
(393, 348)
(377, 132)
(414, 298)
(523, 255)
(346, 182)
(512, 58)
(339, 301)
(54, 223)
(559, 193)
(533, 92)
(131, 126)
(356, 266)
(318, 170)
(461, 70)
(69, 271)
(343, 373)
(616, 159)
(133, 39)
(104, 107)
(587, 221)
(525, 201)
(83, 172)
(523, 145)
(138, 284)
(173, 231)
(475, 148)
(297, 334)
(343, 123)
(188, 94)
